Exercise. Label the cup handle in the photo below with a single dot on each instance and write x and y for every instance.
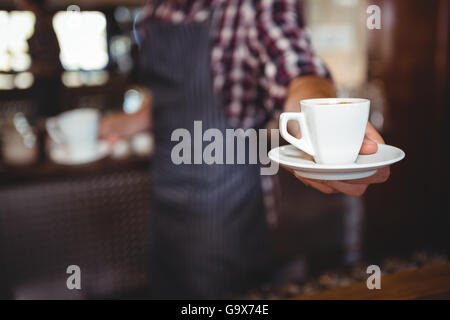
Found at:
(304, 143)
(53, 130)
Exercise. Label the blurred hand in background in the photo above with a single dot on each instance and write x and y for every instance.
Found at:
(123, 126)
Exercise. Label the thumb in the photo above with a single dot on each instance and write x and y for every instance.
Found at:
(368, 147)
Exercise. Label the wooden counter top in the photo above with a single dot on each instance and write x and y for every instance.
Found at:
(431, 282)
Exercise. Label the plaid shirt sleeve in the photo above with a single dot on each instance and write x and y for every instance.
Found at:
(284, 49)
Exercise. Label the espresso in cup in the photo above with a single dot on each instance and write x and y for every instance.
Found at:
(332, 130)
(343, 102)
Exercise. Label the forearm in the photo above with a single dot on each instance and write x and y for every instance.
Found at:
(307, 87)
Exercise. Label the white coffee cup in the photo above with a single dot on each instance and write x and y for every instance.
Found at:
(332, 130)
(76, 131)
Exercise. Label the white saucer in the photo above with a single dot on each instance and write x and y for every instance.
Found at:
(365, 166)
(59, 155)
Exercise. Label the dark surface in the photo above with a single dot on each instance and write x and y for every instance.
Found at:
(409, 56)
(94, 217)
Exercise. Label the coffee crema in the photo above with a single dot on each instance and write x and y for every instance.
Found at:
(329, 104)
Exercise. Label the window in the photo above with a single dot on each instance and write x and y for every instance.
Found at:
(14, 55)
(82, 38)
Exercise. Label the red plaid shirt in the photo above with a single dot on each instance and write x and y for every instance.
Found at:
(258, 48)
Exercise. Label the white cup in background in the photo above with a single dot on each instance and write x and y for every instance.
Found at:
(76, 131)
(332, 130)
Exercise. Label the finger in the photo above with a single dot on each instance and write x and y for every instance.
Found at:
(372, 134)
(316, 185)
(355, 190)
(371, 140)
(381, 176)
(310, 183)
(286, 168)
(368, 147)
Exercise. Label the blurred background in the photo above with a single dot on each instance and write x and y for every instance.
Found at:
(96, 215)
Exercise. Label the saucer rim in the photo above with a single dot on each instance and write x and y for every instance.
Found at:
(65, 161)
(354, 167)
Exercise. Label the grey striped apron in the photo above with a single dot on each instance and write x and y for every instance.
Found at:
(209, 236)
